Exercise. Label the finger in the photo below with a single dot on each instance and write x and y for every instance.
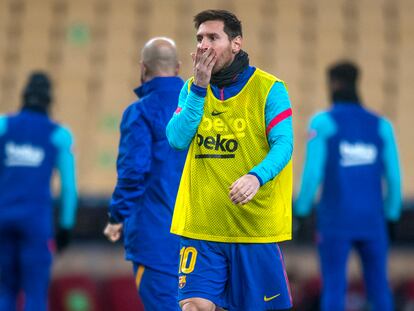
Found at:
(109, 236)
(115, 236)
(245, 191)
(236, 191)
(237, 200)
(239, 196)
(106, 231)
(198, 55)
(248, 199)
(211, 61)
(205, 56)
(234, 184)
(239, 188)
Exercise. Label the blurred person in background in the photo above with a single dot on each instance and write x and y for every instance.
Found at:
(350, 151)
(234, 200)
(31, 147)
(149, 172)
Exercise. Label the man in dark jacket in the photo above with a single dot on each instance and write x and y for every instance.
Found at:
(149, 172)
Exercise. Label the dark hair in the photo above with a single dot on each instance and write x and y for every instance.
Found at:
(232, 25)
(37, 93)
(346, 72)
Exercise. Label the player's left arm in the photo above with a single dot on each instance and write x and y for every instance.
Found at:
(278, 117)
(183, 125)
(65, 164)
(321, 128)
(393, 196)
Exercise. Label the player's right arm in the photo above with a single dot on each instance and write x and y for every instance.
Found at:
(133, 168)
(65, 163)
(184, 124)
(321, 128)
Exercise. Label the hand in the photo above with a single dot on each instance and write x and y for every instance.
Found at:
(113, 231)
(203, 63)
(392, 231)
(244, 189)
(298, 228)
(63, 237)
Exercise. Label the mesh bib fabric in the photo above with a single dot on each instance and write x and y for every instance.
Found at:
(230, 141)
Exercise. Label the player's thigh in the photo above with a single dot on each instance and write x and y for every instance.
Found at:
(203, 271)
(35, 252)
(9, 272)
(36, 244)
(333, 255)
(8, 253)
(258, 278)
(35, 260)
(157, 290)
(374, 255)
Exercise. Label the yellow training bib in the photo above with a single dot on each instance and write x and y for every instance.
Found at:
(230, 140)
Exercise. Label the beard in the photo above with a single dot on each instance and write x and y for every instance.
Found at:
(228, 73)
(225, 60)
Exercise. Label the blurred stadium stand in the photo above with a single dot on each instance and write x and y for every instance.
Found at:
(91, 48)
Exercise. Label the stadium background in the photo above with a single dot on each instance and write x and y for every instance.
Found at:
(91, 49)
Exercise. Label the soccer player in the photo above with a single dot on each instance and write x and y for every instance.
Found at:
(31, 147)
(149, 172)
(234, 199)
(350, 150)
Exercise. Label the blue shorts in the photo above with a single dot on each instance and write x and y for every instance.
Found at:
(234, 276)
(157, 290)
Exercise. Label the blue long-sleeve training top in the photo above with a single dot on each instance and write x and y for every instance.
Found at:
(184, 123)
(149, 173)
(322, 129)
(61, 139)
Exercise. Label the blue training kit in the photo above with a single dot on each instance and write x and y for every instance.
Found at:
(350, 151)
(149, 172)
(28, 154)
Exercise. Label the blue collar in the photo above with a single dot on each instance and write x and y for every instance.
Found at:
(158, 83)
(33, 112)
(345, 104)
